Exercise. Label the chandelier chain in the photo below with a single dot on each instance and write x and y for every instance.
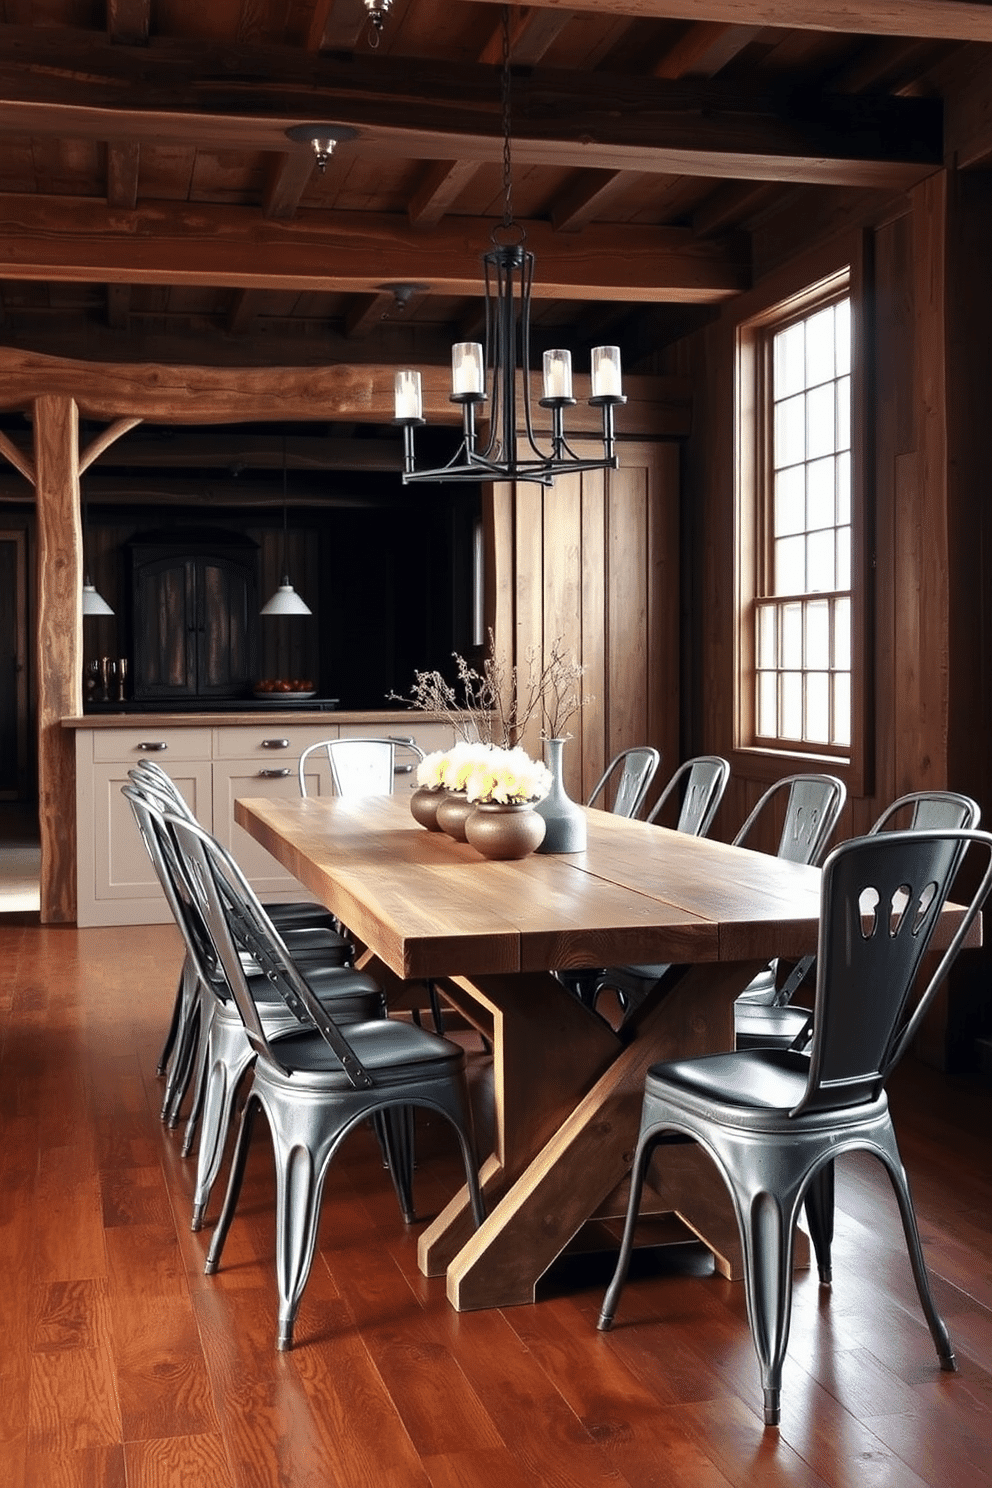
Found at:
(507, 163)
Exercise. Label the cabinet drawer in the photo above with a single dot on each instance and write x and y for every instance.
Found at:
(160, 744)
(280, 742)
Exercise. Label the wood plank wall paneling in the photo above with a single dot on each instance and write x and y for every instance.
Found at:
(594, 560)
(931, 554)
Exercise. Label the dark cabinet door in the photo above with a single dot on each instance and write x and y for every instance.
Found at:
(194, 625)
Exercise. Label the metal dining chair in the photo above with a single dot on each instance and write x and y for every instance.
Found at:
(626, 780)
(774, 1120)
(316, 1084)
(698, 786)
(361, 766)
(768, 1016)
(222, 1051)
(312, 931)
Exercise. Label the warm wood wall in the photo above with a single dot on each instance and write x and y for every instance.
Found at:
(929, 677)
(595, 560)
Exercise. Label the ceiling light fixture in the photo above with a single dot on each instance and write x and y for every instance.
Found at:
(509, 273)
(285, 600)
(323, 139)
(378, 11)
(93, 601)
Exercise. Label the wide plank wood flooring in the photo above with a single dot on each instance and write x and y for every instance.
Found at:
(125, 1367)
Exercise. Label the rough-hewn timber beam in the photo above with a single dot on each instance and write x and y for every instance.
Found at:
(352, 252)
(167, 394)
(961, 20)
(239, 97)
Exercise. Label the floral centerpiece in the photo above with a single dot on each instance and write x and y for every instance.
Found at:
(491, 709)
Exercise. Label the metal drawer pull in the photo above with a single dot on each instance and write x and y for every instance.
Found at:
(275, 743)
(151, 748)
(402, 769)
(273, 774)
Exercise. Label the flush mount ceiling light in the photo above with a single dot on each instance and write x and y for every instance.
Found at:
(323, 139)
(488, 372)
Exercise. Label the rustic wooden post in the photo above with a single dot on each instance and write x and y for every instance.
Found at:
(60, 646)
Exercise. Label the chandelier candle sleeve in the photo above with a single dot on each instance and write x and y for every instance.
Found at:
(558, 374)
(606, 372)
(408, 397)
(467, 371)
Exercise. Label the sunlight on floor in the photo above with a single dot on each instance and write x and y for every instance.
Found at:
(19, 870)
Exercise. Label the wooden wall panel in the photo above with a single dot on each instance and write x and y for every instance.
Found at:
(595, 560)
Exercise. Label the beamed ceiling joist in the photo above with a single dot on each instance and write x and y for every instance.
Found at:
(243, 97)
(353, 252)
(948, 20)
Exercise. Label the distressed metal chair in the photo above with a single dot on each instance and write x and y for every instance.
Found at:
(697, 786)
(316, 1084)
(769, 1016)
(626, 780)
(774, 1120)
(361, 766)
(310, 928)
(223, 1053)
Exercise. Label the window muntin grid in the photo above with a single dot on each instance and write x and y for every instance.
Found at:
(803, 653)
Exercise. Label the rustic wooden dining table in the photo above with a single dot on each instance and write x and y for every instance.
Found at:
(567, 1086)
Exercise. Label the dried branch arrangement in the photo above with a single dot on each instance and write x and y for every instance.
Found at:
(496, 704)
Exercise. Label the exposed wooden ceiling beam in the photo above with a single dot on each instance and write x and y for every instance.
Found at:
(963, 20)
(351, 252)
(187, 450)
(118, 306)
(286, 183)
(123, 162)
(531, 34)
(586, 196)
(129, 21)
(703, 49)
(245, 98)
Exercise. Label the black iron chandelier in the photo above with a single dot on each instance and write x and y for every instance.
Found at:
(487, 372)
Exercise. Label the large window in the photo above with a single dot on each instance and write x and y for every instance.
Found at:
(799, 683)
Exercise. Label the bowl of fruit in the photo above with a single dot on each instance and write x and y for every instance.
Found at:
(284, 689)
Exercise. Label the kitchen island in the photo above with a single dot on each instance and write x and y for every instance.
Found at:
(213, 756)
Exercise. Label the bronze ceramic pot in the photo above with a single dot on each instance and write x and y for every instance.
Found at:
(498, 831)
(453, 812)
(423, 806)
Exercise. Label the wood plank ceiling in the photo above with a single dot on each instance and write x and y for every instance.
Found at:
(153, 208)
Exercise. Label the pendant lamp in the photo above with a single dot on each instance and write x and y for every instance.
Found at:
(285, 601)
(93, 602)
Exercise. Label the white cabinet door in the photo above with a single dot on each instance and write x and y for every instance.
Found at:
(269, 778)
(116, 881)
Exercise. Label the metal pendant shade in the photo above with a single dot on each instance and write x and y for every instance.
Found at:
(285, 600)
(94, 602)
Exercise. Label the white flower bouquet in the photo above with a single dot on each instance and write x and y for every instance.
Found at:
(486, 774)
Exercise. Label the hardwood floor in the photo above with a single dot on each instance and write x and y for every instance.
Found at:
(124, 1365)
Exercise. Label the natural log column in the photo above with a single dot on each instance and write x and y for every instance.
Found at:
(60, 647)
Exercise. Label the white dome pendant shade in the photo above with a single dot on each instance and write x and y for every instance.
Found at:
(93, 602)
(286, 601)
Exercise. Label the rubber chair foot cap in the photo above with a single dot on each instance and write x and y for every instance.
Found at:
(950, 1364)
(210, 1267)
(605, 1322)
(773, 1408)
(284, 1341)
(196, 1223)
